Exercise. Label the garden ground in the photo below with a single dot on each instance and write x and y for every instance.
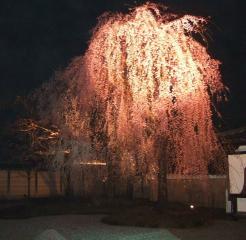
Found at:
(89, 227)
(90, 220)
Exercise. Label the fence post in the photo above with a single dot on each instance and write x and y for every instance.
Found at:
(8, 181)
(36, 182)
(28, 184)
(61, 181)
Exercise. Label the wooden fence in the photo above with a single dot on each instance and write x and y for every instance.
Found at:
(29, 184)
(207, 191)
(90, 181)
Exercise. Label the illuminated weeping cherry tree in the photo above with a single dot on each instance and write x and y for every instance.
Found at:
(155, 84)
(141, 95)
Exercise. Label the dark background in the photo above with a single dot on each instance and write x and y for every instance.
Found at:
(41, 36)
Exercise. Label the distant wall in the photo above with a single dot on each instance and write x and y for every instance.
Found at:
(34, 184)
(207, 191)
(90, 181)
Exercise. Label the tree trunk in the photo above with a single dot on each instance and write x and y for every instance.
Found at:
(161, 146)
(162, 182)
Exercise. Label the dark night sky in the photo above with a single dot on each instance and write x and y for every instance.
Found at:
(41, 36)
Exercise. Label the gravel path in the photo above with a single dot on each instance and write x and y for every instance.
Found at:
(75, 227)
(89, 227)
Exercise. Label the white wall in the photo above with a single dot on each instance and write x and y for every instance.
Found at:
(237, 163)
